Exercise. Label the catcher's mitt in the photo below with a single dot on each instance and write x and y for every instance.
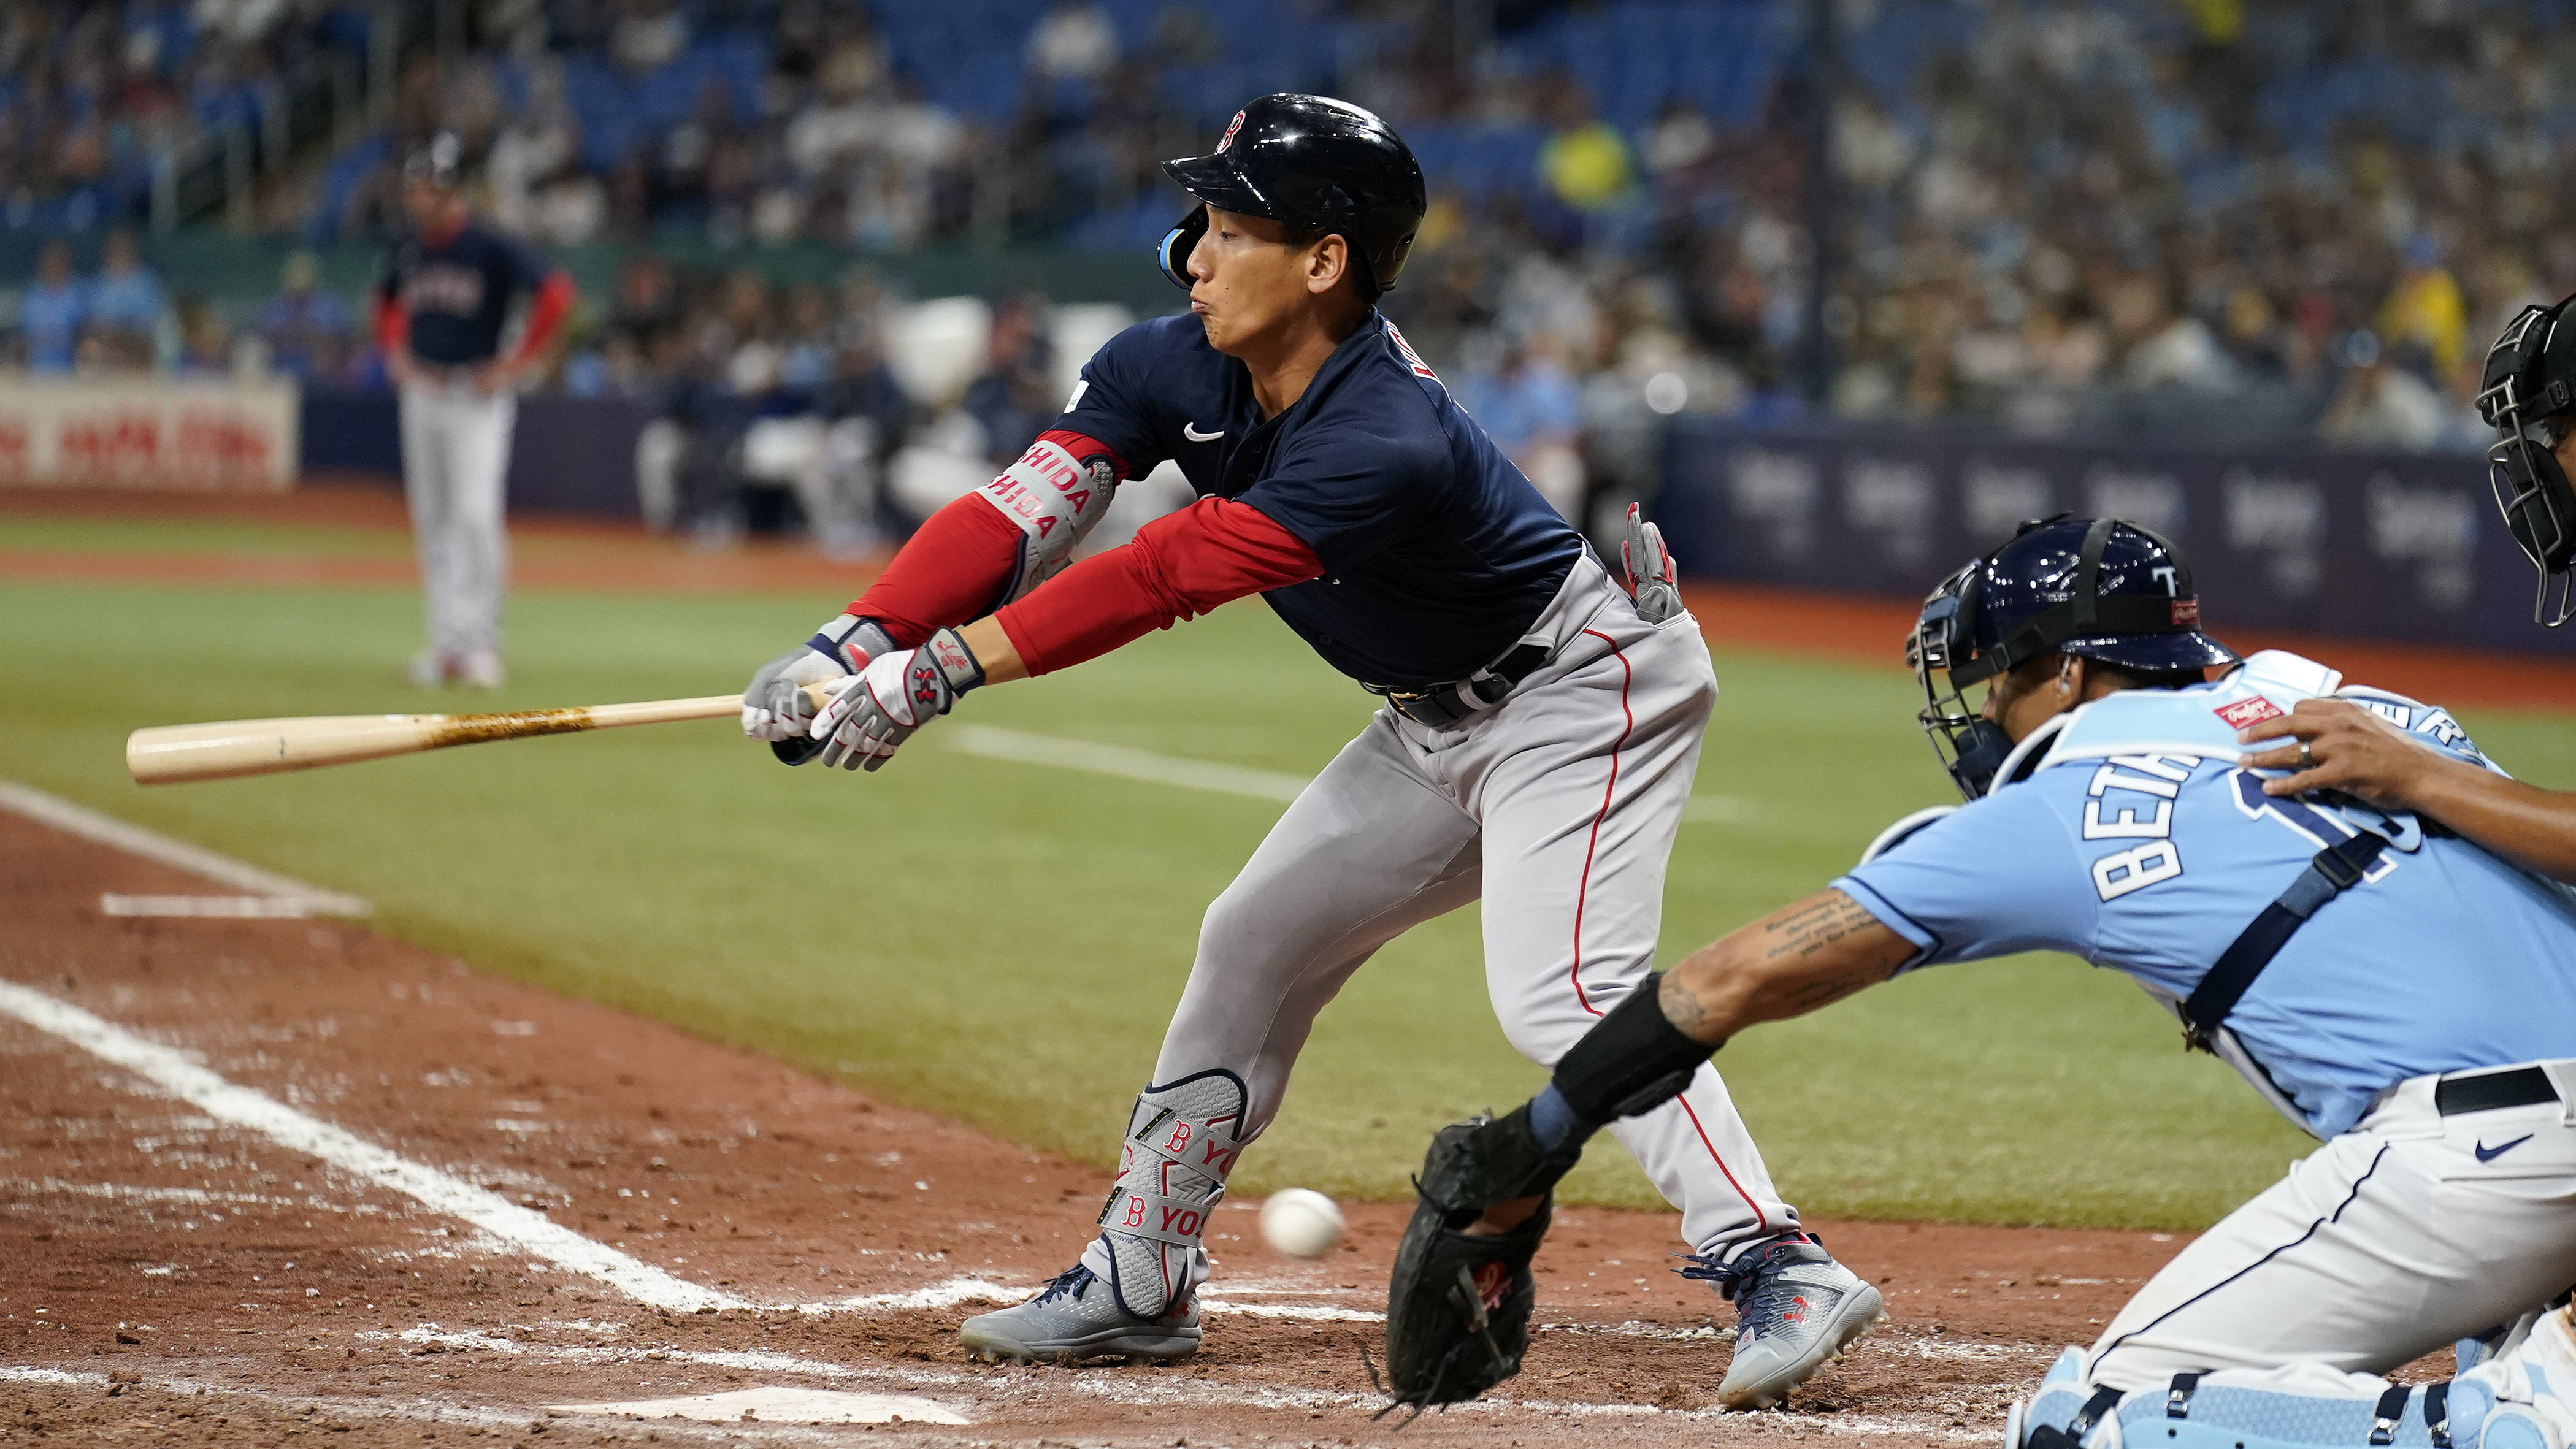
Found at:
(1458, 1305)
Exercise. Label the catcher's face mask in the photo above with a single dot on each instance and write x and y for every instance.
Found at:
(2104, 588)
(2526, 392)
(1941, 650)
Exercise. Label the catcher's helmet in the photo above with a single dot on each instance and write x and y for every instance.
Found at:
(2527, 392)
(1308, 161)
(440, 160)
(2102, 588)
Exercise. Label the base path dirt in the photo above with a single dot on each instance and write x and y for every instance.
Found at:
(180, 1272)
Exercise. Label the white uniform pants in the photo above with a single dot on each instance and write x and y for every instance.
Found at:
(1558, 810)
(2396, 1238)
(456, 451)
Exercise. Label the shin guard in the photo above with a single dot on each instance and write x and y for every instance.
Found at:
(1182, 1138)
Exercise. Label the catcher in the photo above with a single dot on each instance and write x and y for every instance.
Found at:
(2397, 991)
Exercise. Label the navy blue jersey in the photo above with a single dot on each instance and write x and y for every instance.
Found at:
(458, 293)
(1438, 555)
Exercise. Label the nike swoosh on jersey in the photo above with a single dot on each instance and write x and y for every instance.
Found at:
(1191, 432)
(2490, 1154)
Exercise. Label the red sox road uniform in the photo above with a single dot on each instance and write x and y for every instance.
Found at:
(442, 306)
(1383, 526)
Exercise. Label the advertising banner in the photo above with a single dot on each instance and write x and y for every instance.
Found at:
(2402, 547)
(148, 432)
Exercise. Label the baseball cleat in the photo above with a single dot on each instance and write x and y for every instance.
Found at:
(428, 669)
(1796, 1309)
(1069, 1321)
(481, 669)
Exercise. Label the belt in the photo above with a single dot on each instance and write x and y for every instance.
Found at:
(2491, 1091)
(1449, 706)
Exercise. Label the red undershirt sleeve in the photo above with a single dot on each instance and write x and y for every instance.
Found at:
(393, 325)
(959, 562)
(1178, 567)
(546, 316)
(948, 573)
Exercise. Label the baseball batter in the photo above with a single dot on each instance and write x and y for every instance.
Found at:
(440, 313)
(2402, 994)
(1541, 730)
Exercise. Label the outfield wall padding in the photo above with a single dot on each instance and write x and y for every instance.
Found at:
(2404, 547)
(567, 454)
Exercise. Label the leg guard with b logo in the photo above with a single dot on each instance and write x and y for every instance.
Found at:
(1182, 1139)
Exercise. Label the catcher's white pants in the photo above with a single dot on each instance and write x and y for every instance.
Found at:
(1558, 810)
(2394, 1239)
(456, 452)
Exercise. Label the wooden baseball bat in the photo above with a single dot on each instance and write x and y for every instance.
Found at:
(170, 754)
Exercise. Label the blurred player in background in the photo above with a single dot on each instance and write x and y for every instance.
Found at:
(440, 314)
(2398, 992)
(2528, 393)
(1542, 729)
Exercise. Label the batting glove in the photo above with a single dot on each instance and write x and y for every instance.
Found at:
(875, 711)
(1649, 567)
(775, 706)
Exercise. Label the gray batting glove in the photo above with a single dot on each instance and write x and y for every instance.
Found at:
(874, 712)
(775, 705)
(1649, 566)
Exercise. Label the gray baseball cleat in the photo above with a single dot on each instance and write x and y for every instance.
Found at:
(1076, 1317)
(1797, 1310)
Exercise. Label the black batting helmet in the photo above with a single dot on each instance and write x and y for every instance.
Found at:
(1307, 161)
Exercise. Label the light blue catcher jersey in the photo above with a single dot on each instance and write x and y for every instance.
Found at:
(2140, 845)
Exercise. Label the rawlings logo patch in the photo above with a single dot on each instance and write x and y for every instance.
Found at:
(2244, 714)
(2186, 612)
(1231, 128)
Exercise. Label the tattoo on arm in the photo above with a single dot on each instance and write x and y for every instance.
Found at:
(1681, 1004)
(1827, 990)
(1812, 926)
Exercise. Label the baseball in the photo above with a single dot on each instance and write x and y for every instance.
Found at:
(1301, 1222)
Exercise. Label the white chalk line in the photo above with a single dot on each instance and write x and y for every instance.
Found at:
(778, 1406)
(532, 1232)
(124, 1193)
(1145, 1388)
(996, 743)
(519, 1228)
(227, 908)
(107, 830)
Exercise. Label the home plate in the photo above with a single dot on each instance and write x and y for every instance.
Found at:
(782, 1406)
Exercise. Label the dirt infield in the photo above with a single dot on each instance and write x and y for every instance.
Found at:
(190, 1269)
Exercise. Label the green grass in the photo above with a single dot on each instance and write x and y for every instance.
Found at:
(74, 534)
(1003, 942)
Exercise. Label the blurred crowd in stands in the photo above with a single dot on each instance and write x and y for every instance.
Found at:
(2222, 220)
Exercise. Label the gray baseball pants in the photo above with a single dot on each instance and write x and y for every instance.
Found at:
(456, 451)
(1557, 810)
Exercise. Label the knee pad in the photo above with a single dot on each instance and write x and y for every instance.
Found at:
(1182, 1141)
(1631, 1061)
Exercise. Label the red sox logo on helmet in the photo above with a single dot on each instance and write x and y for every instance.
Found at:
(1228, 138)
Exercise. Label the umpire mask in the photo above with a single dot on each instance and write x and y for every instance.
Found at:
(2525, 394)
